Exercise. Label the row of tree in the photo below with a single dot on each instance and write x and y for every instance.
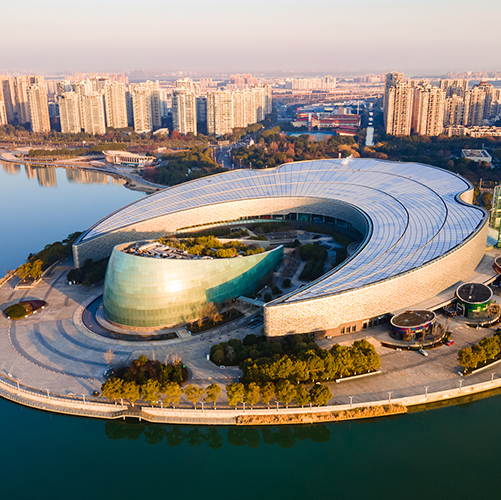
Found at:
(169, 393)
(485, 352)
(297, 359)
(315, 365)
(64, 152)
(257, 348)
(273, 148)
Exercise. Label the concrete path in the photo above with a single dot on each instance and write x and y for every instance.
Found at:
(53, 350)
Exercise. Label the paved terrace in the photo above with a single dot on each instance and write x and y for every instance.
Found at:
(53, 351)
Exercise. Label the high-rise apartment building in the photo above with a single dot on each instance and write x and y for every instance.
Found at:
(398, 104)
(184, 111)
(141, 108)
(9, 97)
(21, 90)
(92, 113)
(454, 87)
(3, 113)
(115, 105)
(219, 113)
(187, 84)
(38, 108)
(428, 109)
(69, 113)
(456, 110)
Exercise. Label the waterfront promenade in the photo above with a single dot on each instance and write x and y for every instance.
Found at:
(59, 363)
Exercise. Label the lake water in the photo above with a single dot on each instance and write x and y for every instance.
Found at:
(451, 453)
(43, 205)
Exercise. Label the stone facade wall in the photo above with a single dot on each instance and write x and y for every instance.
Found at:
(102, 246)
(330, 312)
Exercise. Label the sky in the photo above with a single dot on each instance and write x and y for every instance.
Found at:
(212, 36)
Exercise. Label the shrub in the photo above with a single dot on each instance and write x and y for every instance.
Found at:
(267, 297)
(16, 311)
(286, 283)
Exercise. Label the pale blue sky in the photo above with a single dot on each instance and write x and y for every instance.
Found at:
(414, 36)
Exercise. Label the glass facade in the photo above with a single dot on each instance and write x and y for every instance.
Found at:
(151, 293)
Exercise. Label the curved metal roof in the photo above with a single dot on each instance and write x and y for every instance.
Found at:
(415, 213)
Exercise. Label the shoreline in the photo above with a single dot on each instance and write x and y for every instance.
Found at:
(106, 410)
(132, 183)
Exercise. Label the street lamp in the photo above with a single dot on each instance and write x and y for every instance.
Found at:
(460, 384)
(277, 406)
(389, 397)
(17, 380)
(48, 393)
(492, 377)
(351, 401)
(426, 391)
(83, 395)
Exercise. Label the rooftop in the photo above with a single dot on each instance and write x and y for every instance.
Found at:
(410, 319)
(412, 209)
(474, 293)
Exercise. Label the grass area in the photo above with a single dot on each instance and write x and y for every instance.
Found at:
(328, 416)
(16, 311)
(208, 324)
(211, 246)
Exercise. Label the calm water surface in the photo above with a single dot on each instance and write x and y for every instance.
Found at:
(452, 453)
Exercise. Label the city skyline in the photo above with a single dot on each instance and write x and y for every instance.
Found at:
(280, 36)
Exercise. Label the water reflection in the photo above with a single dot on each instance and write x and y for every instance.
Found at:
(11, 168)
(86, 176)
(251, 437)
(46, 175)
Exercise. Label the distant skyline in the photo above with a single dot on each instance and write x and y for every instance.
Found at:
(321, 36)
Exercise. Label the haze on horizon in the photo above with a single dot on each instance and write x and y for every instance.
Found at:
(211, 36)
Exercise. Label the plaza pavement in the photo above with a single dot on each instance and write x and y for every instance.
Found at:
(53, 350)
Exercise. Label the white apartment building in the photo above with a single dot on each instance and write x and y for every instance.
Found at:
(398, 104)
(38, 108)
(184, 111)
(141, 108)
(115, 105)
(9, 97)
(219, 113)
(3, 114)
(69, 112)
(428, 113)
(92, 113)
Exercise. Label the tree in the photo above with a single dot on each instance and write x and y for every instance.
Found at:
(320, 395)
(267, 392)
(113, 388)
(285, 392)
(252, 393)
(212, 393)
(302, 396)
(172, 393)
(193, 394)
(131, 391)
(235, 393)
(210, 311)
(31, 268)
(150, 391)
